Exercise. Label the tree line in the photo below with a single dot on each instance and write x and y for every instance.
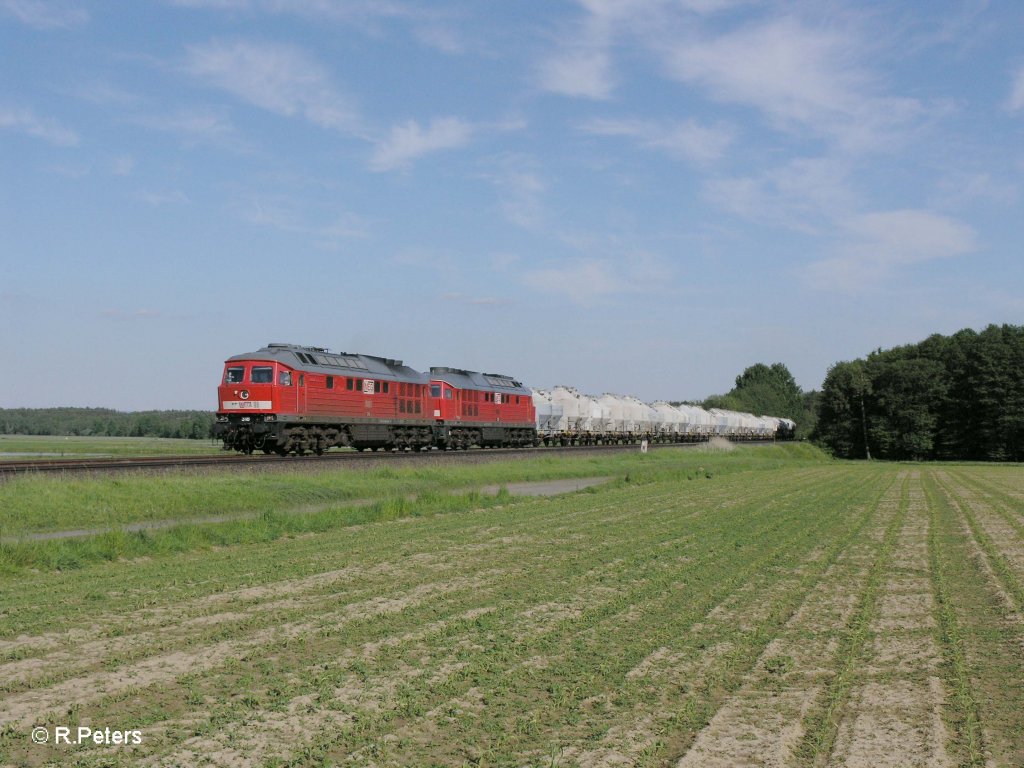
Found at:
(948, 397)
(105, 422)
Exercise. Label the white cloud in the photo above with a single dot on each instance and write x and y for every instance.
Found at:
(801, 78)
(475, 301)
(292, 216)
(408, 141)
(520, 187)
(878, 244)
(45, 15)
(123, 165)
(583, 281)
(586, 280)
(585, 72)
(278, 78)
(192, 124)
(804, 194)
(26, 121)
(1016, 100)
(582, 67)
(686, 139)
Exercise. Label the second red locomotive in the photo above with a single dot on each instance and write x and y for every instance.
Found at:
(287, 398)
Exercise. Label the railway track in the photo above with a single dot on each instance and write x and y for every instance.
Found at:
(10, 469)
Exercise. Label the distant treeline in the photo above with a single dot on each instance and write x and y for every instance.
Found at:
(948, 397)
(104, 422)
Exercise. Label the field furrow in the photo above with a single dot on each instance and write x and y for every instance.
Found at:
(985, 632)
(894, 713)
(763, 723)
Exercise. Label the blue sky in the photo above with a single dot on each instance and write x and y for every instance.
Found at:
(641, 196)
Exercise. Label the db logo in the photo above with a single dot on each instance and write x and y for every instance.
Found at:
(244, 394)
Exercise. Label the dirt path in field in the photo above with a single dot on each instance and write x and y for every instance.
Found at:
(894, 714)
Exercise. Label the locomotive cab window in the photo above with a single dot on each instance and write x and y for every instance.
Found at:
(284, 378)
(447, 394)
(234, 375)
(435, 390)
(262, 374)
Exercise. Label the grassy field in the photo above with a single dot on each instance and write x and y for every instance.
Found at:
(14, 447)
(765, 606)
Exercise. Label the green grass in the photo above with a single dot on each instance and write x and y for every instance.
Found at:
(471, 630)
(275, 504)
(55, 447)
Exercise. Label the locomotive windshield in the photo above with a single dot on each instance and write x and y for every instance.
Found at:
(262, 374)
(234, 375)
(435, 390)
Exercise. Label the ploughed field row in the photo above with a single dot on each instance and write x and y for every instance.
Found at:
(855, 615)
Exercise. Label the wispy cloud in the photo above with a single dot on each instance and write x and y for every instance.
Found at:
(131, 315)
(123, 165)
(278, 78)
(45, 15)
(409, 140)
(521, 187)
(881, 243)
(801, 77)
(805, 194)
(1016, 100)
(329, 230)
(685, 140)
(586, 280)
(430, 25)
(26, 121)
(193, 125)
(475, 301)
(582, 66)
(584, 72)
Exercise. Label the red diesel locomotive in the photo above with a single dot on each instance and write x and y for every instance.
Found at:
(286, 398)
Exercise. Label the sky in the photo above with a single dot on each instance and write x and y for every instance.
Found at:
(637, 196)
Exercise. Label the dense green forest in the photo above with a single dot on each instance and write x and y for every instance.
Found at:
(948, 397)
(769, 391)
(105, 422)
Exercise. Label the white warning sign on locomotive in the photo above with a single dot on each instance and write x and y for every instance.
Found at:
(367, 386)
(497, 397)
(245, 405)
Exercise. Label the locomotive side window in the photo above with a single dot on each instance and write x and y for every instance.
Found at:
(447, 394)
(330, 382)
(284, 378)
(262, 374)
(234, 375)
(348, 384)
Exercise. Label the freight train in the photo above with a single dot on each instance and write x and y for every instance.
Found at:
(291, 399)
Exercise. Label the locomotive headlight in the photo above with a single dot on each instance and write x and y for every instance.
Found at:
(222, 418)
